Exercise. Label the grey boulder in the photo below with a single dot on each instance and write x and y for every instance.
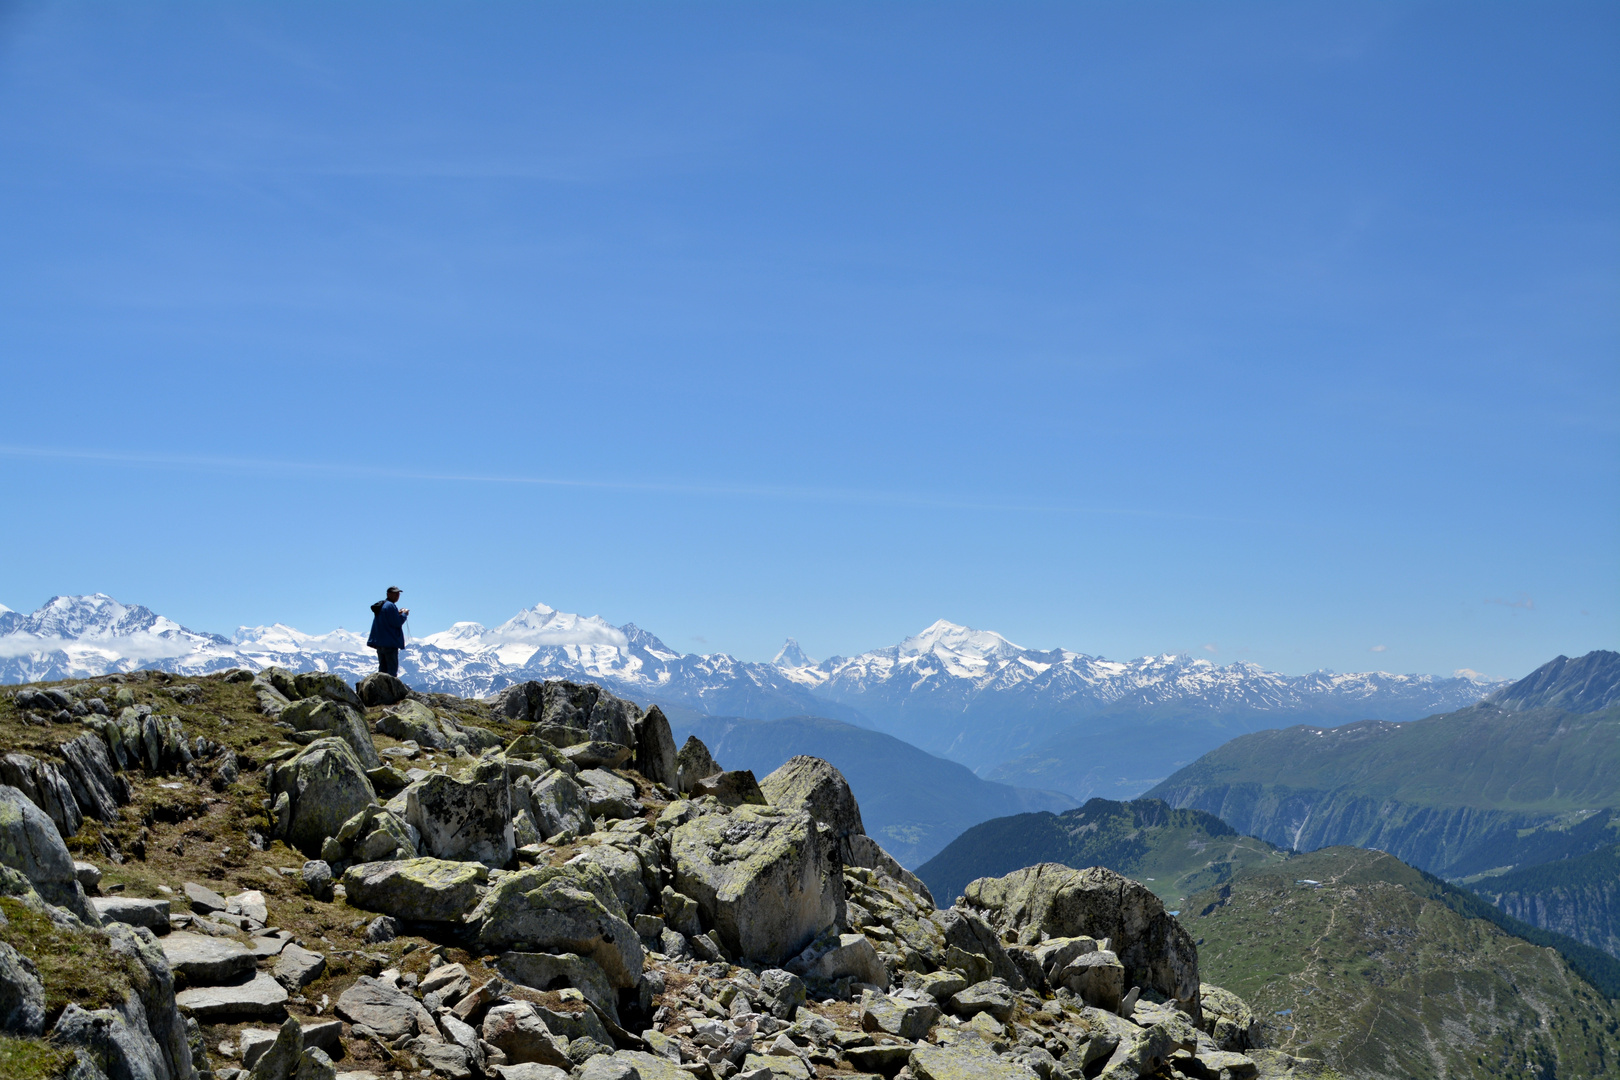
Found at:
(315, 792)
(22, 995)
(205, 960)
(30, 843)
(762, 878)
(562, 909)
(470, 819)
(419, 890)
(380, 688)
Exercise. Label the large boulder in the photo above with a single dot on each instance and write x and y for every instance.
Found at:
(545, 971)
(811, 784)
(566, 713)
(151, 1002)
(380, 688)
(324, 684)
(562, 909)
(417, 890)
(464, 819)
(555, 803)
(1055, 901)
(315, 792)
(384, 1008)
(762, 878)
(655, 749)
(46, 788)
(693, 762)
(342, 720)
(22, 995)
(31, 844)
(608, 795)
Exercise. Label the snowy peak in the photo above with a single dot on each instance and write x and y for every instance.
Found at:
(542, 626)
(791, 656)
(947, 638)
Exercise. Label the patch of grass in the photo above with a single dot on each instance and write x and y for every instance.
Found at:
(32, 1059)
(75, 966)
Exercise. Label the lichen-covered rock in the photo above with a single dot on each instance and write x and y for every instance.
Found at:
(901, 1017)
(608, 795)
(375, 834)
(762, 878)
(545, 971)
(562, 909)
(22, 995)
(324, 714)
(598, 754)
(733, 788)
(973, 948)
(46, 788)
(31, 845)
(1052, 900)
(324, 684)
(964, 1060)
(418, 890)
(625, 869)
(655, 749)
(412, 721)
(692, 763)
(813, 785)
(464, 819)
(556, 804)
(315, 792)
(380, 688)
(152, 1002)
(1227, 1020)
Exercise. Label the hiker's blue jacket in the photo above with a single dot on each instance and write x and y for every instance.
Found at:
(387, 627)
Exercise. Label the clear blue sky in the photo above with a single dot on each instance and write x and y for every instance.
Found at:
(1279, 332)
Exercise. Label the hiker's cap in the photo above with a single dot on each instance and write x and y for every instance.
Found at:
(395, 588)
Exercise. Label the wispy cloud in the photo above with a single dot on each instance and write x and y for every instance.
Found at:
(1211, 648)
(272, 467)
(1524, 602)
(1379, 648)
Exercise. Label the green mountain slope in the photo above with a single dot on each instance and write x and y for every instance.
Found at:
(1512, 782)
(1173, 852)
(912, 802)
(1380, 970)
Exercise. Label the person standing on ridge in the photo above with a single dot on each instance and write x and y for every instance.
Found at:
(388, 631)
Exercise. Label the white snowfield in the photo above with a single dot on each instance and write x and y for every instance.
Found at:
(935, 679)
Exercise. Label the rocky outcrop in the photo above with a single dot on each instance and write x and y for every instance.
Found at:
(418, 890)
(564, 909)
(464, 819)
(315, 792)
(1056, 901)
(31, 844)
(338, 718)
(762, 878)
(693, 763)
(607, 927)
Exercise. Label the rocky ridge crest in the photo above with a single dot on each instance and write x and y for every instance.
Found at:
(593, 902)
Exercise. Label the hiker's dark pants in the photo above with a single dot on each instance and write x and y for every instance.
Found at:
(388, 661)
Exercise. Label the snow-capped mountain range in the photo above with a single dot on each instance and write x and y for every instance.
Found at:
(970, 695)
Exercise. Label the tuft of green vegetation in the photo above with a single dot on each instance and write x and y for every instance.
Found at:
(1173, 852)
(32, 1059)
(74, 965)
(1385, 971)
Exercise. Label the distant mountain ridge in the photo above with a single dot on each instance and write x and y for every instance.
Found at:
(968, 695)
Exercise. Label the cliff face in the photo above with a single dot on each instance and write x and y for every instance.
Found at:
(1577, 897)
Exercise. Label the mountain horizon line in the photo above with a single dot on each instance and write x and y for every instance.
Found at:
(543, 626)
